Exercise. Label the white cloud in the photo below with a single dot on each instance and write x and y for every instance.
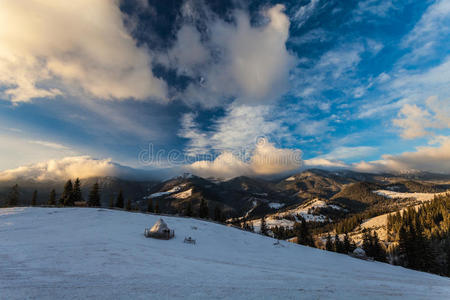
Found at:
(425, 158)
(323, 162)
(378, 8)
(313, 128)
(48, 144)
(304, 12)
(266, 159)
(431, 26)
(245, 62)
(416, 122)
(48, 48)
(225, 166)
(344, 152)
(238, 130)
(65, 168)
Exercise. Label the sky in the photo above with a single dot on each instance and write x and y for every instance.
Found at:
(223, 88)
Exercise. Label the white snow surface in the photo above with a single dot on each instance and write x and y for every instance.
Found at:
(276, 205)
(292, 178)
(85, 253)
(183, 195)
(423, 197)
(169, 192)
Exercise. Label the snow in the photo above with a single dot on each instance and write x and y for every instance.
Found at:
(183, 195)
(292, 178)
(423, 197)
(279, 218)
(85, 253)
(169, 192)
(276, 205)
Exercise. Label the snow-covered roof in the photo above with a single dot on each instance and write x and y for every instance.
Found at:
(359, 251)
(160, 226)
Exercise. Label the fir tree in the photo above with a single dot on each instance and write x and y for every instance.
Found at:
(120, 201)
(377, 250)
(13, 197)
(67, 195)
(128, 207)
(34, 198)
(111, 202)
(217, 214)
(329, 246)
(52, 198)
(157, 211)
(203, 210)
(77, 196)
(150, 205)
(263, 229)
(338, 245)
(94, 196)
(303, 234)
(347, 244)
(189, 209)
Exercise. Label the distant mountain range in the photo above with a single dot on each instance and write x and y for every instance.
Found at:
(244, 196)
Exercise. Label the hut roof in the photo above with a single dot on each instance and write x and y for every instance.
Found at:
(160, 226)
(359, 251)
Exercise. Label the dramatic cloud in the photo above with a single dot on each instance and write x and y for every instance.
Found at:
(76, 167)
(49, 47)
(238, 130)
(266, 159)
(416, 121)
(250, 63)
(425, 158)
(69, 167)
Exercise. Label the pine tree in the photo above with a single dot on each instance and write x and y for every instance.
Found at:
(329, 246)
(150, 205)
(189, 209)
(203, 210)
(67, 195)
(157, 211)
(34, 198)
(77, 196)
(128, 207)
(367, 243)
(120, 201)
(217, 214)
(304, 237)
(13, 197)
(378, 252)
(347, 244)
(52, 198)
(338, 245)
(111, 202)
(94, 196)
(263, 229)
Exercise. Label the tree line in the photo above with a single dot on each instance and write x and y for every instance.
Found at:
(421, 236)
(72, 196)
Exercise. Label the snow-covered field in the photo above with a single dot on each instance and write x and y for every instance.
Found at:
(80, 253)
(423, 197)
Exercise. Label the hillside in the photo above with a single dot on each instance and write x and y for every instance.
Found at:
(49, 253)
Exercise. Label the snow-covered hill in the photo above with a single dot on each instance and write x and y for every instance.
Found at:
(51, 253)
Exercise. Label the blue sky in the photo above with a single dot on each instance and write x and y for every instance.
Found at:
(355, 84)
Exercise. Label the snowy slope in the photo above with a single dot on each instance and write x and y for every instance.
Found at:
(51, 253)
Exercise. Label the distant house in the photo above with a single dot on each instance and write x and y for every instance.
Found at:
(160, 231)
(359, 252)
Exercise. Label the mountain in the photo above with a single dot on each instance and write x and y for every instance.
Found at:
(241, 196)
(87, 253)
